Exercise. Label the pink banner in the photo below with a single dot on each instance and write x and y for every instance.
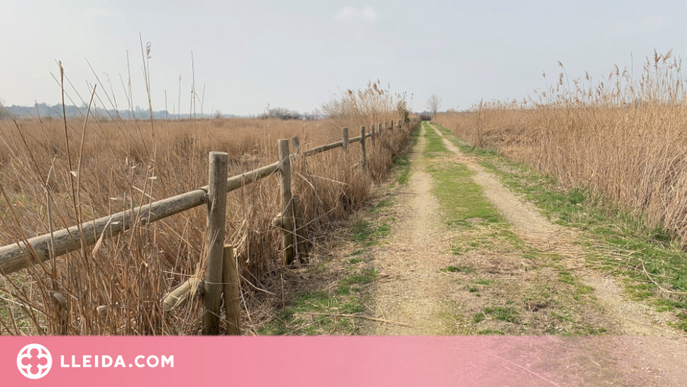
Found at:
(313, 361)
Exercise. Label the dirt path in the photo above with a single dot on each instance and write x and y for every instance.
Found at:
(520, 276)
(654, 352)
(632, 318)
(414, 293)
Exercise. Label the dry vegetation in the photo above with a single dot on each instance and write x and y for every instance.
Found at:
(623, 137)
(56, 174)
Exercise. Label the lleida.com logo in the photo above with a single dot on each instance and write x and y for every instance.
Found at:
(34, 361)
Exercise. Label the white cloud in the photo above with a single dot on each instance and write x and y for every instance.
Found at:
(352, 14)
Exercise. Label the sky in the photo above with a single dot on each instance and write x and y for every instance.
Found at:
(248, 55)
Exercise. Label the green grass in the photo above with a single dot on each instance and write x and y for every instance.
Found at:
(435, 146)
(363, 277)
(381, 206)
(461, 199)
(403, 163)
(367, 234)
(314, 314)
(457, 269)
(490, 332)
(478, 317)
(502, 314)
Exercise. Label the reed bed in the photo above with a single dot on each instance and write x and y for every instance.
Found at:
(58, 173)
(622, 137)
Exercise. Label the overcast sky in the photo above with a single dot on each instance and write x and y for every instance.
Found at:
(295, 54)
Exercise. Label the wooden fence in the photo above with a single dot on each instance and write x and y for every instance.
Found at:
(221, 275)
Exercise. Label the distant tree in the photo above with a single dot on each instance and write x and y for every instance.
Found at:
(433, 104)
(311, 116)
(218, 114)
(282, 114)
(426, 116)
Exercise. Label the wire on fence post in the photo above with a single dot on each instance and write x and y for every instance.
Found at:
(230, 279)
(286, 201)
(214, 241)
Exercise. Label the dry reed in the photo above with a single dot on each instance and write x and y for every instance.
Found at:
(117, 288)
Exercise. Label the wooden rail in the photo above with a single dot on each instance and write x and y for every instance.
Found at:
(26, 253)
(19, 255)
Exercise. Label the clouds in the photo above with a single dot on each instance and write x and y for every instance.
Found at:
(352, 14)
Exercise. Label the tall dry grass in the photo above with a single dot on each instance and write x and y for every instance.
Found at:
(55, 174)
(622, 137)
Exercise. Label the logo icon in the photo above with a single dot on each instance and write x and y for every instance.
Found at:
(34, 361)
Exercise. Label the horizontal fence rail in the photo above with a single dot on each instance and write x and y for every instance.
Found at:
(20, 255)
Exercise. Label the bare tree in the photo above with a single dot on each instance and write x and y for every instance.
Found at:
(433, 103)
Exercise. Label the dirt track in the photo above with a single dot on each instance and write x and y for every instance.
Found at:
(419, 298)
(416, 292)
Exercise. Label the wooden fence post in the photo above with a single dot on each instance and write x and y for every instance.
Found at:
(230, 279)
(372, 135)
(286, 201)
(301, 234)
(362, 146)
(214, 241)
(296, 144)
(344, 133)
